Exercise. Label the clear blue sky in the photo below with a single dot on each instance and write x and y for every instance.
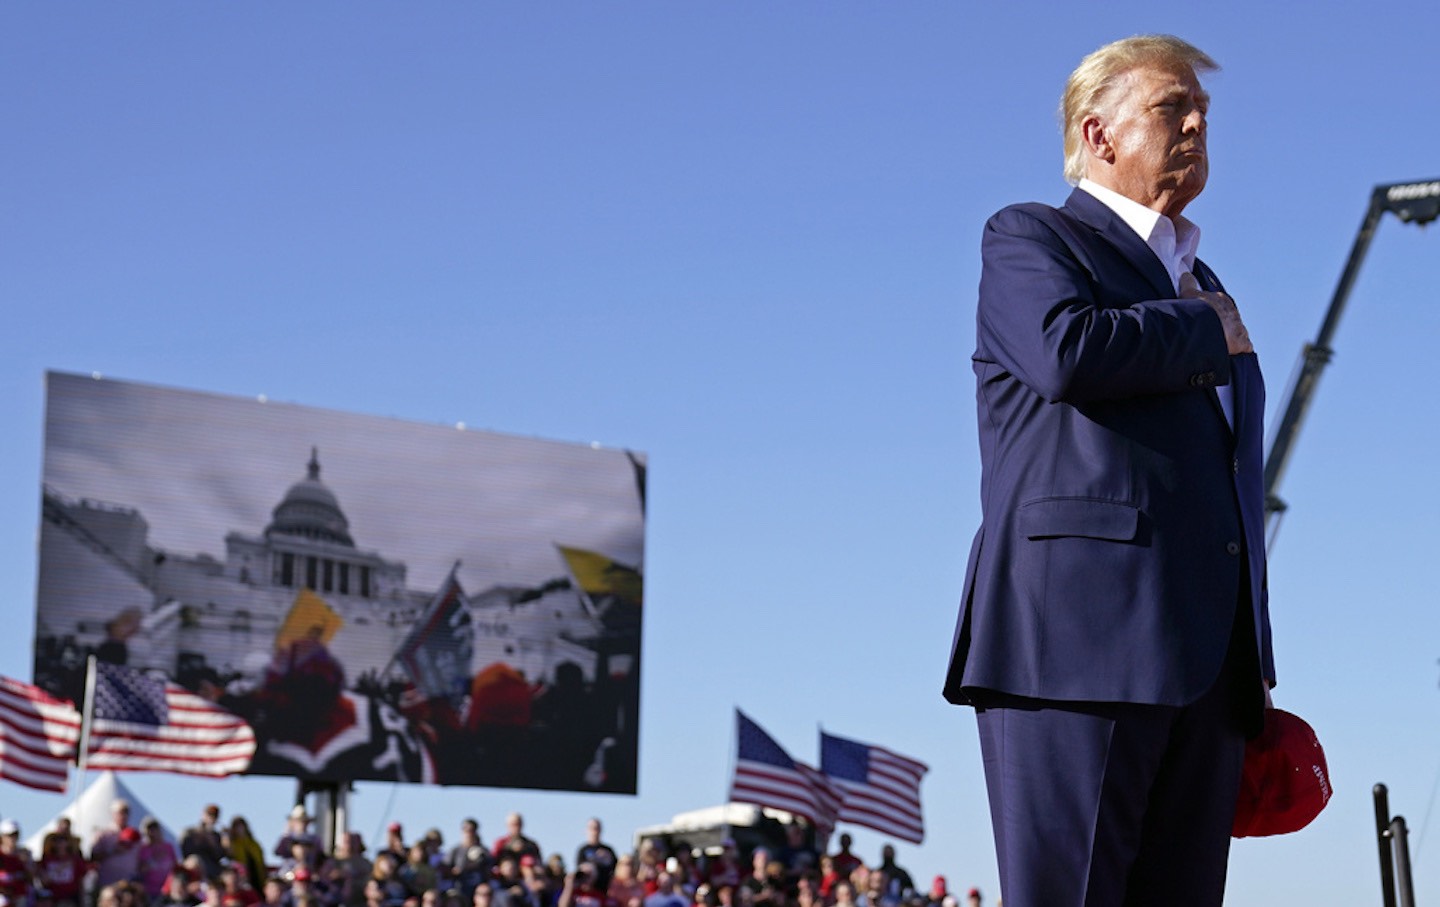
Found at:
(741, 237)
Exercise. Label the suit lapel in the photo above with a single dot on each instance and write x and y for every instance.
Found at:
(1210, 283)
(1096, 215)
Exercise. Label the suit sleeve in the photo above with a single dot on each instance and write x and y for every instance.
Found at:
(1043, 318)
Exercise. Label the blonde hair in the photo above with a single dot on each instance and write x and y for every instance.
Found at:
(1088, 86)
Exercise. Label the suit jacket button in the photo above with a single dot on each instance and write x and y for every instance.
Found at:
(1235, 466)
(1232, 547)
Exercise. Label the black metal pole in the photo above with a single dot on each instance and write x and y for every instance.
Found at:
(1382, 837)
(1400, 843)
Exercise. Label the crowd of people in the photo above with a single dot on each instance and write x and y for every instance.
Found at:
(217, 864)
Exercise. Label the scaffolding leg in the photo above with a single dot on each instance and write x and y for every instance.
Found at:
(1394, 842)
(1382, 837)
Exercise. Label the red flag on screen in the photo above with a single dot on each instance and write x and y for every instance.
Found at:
(37, 736)
(144, 723)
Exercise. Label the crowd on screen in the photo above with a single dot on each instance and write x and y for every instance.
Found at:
(217, 864)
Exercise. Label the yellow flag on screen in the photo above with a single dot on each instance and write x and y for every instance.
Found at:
(309, 618)
(598, 575)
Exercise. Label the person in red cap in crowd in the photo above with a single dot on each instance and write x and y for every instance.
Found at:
(116, 850)
(972, 899)
(514, 840)
(937, 893)
(61, 870)
(155, 858)
(395, 844)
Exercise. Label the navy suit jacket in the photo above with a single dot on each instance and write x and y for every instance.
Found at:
(1122, 517)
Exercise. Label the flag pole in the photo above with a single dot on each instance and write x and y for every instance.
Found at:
(734, 752)
(823, 832)
(83, 754)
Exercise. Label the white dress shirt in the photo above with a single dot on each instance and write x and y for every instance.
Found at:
(1173, 241)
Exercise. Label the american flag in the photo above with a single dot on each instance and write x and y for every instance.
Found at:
(143, 723)
(766, 776)
(880, 788)
(37, 736)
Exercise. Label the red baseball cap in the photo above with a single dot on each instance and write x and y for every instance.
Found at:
(1285, 782)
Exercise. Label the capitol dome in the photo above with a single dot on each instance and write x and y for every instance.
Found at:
(311, 511)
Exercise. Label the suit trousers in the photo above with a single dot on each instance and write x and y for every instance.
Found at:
(1119, 804)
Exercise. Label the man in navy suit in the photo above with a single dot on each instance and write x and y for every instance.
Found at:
(1114, 634)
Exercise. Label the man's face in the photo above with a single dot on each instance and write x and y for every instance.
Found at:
(1155, 126)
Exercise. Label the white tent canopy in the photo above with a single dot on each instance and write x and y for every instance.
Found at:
(90, 812)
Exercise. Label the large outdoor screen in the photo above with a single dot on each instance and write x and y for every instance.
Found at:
(379, 599)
